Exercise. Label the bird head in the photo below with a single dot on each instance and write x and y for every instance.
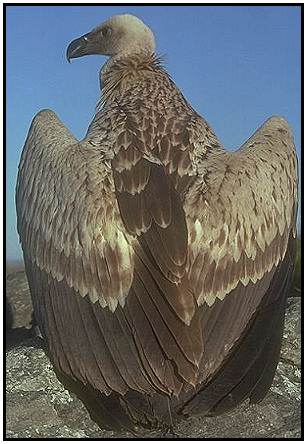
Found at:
(120, 34)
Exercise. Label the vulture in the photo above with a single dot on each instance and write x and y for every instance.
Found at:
(158, 262)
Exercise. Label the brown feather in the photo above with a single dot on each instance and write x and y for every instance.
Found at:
(155, 258)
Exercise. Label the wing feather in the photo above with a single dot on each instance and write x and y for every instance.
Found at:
(65, 224)
(239, 225)
(151, 262)
(81, 252)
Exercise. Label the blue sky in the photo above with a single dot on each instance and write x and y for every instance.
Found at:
(237, 65)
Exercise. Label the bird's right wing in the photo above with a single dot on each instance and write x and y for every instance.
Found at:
(242, 211)
(242, 223)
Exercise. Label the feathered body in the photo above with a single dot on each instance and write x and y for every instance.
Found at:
(158, 262)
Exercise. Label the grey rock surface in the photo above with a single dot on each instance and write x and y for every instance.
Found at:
(38, 406)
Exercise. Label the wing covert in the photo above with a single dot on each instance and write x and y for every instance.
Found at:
(241, 212)
(68, 219)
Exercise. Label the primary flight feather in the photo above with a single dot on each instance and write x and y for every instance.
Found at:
(158, 263)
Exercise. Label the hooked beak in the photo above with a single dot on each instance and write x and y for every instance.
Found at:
(79, 47)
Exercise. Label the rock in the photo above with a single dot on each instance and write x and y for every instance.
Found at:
(19, 299)
(38, 406)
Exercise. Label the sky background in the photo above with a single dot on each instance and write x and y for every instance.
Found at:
(237, 66)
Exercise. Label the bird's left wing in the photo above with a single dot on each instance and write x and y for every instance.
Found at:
(109, 315)
(79, 259)
(66, 212)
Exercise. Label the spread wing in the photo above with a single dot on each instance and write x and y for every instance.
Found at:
(102, 259)
(68, 218)
(106, 245)
(242, 212)
(241, 220)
